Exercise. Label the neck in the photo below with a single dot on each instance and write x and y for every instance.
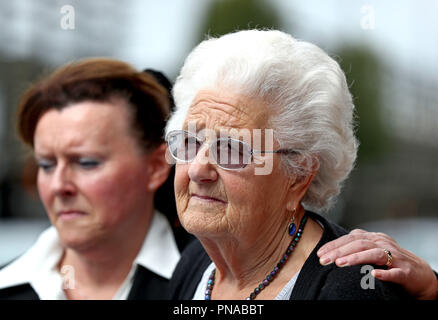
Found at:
(239, 269)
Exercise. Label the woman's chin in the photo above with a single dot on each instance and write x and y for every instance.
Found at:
(75, 239)
(203, 224)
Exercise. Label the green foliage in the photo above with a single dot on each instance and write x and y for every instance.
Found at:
(363, 70)
(225, 16)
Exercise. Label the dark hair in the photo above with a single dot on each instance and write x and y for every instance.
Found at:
(101, 80)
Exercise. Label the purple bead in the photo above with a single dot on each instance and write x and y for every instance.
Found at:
(265, 282)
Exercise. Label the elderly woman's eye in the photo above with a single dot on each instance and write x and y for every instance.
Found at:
(235, 148)
(191, 142)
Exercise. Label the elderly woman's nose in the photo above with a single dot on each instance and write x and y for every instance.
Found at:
(201, 169)
(62, 182)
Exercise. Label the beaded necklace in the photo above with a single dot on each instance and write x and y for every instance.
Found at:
(271, 276)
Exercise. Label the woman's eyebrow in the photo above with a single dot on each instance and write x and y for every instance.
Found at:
(41, 154)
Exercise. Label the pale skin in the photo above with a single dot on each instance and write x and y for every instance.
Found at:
(97, 186)
(241, 218)
(361, 247)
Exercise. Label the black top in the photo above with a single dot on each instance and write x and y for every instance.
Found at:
(147, 285)
(314, 282)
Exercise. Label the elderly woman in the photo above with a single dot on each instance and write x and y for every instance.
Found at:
(96, 131)
(262, 134)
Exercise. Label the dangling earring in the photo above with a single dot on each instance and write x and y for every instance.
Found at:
(292, 226)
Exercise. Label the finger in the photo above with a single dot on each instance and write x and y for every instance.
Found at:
(356, 234)
(357, 231)
(347, 250)
(374, 256)
(334, 244)
(395, 275)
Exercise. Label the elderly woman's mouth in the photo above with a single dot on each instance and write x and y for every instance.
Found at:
(205, 198)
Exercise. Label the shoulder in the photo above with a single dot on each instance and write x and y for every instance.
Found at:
(357, 283)
(14, 285)
(335, 283)
(21, 277)
(19, 292)
(194, 260)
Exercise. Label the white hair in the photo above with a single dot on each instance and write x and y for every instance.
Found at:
(310, 106)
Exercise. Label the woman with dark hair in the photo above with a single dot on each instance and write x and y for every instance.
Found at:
(96, 131)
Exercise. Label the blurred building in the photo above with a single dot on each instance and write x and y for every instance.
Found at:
(41, 30)
(402, 182)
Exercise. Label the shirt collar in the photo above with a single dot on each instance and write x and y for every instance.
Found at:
(38, 267)
(159, 252)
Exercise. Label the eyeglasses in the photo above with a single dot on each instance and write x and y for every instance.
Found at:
(227, 153)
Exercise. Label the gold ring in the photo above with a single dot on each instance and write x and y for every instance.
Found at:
(389, 255)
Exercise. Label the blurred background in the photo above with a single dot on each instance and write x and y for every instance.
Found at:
(388, 49)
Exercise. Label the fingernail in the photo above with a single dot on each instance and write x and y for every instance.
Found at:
(325, 261)
(341, 262)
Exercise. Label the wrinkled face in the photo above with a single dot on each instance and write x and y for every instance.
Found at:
(92, 176)
(213, 202)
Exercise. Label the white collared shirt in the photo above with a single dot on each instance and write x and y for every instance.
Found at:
(38, 266)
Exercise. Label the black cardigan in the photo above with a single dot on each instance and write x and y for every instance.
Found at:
(314, 282)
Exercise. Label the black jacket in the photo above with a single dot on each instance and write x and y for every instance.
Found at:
(147, 285)
(314, 282)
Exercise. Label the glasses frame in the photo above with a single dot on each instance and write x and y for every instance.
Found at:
(202, 142)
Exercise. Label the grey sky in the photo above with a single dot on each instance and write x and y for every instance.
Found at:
(161, 33)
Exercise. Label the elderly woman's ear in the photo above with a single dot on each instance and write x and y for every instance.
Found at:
(300, 183)
(158, 167)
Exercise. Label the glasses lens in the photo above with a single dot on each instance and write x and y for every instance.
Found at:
(183, 145)
(231, 153)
